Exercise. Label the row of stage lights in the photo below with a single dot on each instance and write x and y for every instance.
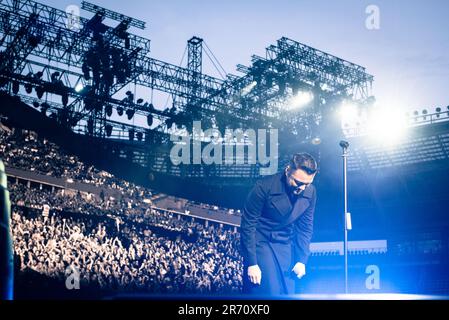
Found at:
(352, 115)
(425, 113)
(132, 134)
(44, 107)
(57, 87)
(385, 125)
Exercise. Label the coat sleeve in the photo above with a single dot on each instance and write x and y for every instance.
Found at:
(303, 232)
(252, 211)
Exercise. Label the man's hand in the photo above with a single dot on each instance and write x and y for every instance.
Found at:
(299, 269)
(254, 274)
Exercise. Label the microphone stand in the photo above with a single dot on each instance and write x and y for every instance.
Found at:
(347, 216)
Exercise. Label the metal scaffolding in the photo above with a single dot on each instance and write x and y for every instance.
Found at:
(88, 63)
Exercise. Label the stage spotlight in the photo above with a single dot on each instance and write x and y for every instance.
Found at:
(301, 99)
(36, 104)
(15, 87)
(139, 101)
(120, 111)
(131, 134)
(108, 110)
(28, 86)
(316, 141)
(424, 112)
(39, 75)
(86, 71)
(248, 88)
(349, 113)
(40, 92)
(349, 109)
(65, 99)
(130, 96)
(387, 126)
(438, 110)
(139, 136)
(44, 107)
(150, 120)
(55, 77)
(108, 129)
(79, 87)
(130, 113)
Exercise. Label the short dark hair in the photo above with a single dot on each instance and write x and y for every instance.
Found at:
(303, 161)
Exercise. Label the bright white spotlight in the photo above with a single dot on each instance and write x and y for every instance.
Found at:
(349, 114)
(79, 87)
(301, 99)
(387, 126)
(316, 141)
(248, 88)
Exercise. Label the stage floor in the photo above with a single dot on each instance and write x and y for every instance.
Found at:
(354, 296)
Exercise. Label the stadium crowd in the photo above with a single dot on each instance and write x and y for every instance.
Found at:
(23, 149)
(134, 259)
(118, 245)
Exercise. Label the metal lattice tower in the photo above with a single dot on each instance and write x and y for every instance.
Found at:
(194, 65)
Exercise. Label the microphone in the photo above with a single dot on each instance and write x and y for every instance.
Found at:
(6, 246)
(344, 144)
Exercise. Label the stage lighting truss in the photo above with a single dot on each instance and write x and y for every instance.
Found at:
(37, 42)
(289, 68)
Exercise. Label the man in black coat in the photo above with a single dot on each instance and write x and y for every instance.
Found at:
(276, 228)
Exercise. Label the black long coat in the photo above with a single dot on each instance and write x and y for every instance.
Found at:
(276, 234)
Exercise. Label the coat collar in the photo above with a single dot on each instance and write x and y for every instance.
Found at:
(279, 187)
(281, 201)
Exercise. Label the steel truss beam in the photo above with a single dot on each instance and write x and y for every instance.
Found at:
(286, 64)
